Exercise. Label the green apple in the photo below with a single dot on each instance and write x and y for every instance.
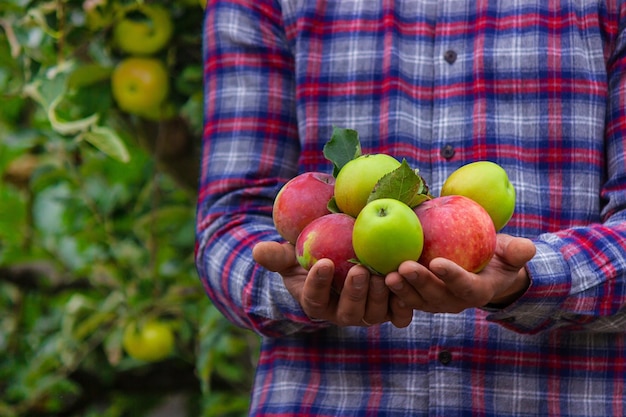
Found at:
(356, 180)
(152, 342)
(144, 29)
(140, 85)
(386, 233)
(487, 183)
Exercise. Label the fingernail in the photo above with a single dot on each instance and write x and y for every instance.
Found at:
(359, 281)
(397, 286)
(323, 271)
(441, 271)
(411, 275)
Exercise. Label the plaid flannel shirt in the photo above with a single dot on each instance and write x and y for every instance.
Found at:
(538, 86)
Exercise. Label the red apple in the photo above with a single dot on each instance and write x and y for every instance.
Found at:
(300, 201)
(488, 184)
(329, 237)
(459, 229)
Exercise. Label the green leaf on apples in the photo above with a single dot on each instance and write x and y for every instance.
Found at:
(343, 146)
(369, 268)
(404, 184)
(332, 206)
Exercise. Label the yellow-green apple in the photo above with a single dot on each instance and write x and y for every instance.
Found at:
(140, 85)
(152, 342)
(144, 29)
(459, 229)
(357, 178)
(300, 201)
(387, 232)
(487, 183)
(328, 237)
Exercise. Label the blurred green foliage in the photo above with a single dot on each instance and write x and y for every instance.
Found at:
(97, 212)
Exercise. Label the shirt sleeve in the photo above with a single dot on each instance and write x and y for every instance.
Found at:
(250, 148)
(578, 276)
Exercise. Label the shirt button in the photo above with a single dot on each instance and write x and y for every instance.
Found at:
(450, 56)
(447, 151)
(445, 357)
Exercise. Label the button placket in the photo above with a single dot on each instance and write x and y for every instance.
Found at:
(447, 151)
(444, 357)
(450, 56)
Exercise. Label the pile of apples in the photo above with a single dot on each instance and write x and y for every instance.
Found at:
(377, 211)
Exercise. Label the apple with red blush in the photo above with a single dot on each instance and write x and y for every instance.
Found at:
(328, 237)
(459, 229)
(301, 200)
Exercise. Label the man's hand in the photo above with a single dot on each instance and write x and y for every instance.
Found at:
(445, 287)
(364, 299)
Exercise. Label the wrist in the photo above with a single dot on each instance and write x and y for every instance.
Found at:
(518, 287)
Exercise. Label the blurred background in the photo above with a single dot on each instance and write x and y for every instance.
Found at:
(101, 310)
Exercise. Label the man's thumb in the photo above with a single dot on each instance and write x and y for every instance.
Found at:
(516, 251)
(275, 256)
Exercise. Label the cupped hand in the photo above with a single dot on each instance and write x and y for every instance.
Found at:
(445, 287)
(364, 299)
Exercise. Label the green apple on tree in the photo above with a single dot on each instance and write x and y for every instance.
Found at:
(165, 111)
(150, 342)
(201, 3)
(386, 233)
(357, 178)
(487, 183)
(99, 14)
(140, 85)
(143, 30)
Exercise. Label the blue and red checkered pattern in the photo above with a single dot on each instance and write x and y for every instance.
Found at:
(537, 86)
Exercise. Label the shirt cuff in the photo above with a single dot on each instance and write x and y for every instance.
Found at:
(538, 308)
(273, 310)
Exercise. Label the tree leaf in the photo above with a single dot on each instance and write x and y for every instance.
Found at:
(72, 126)
(108, 142)
(343, 146)
(88, 74)
(50, 90)
(403, 184)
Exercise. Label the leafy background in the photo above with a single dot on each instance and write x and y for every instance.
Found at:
(97, 214)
